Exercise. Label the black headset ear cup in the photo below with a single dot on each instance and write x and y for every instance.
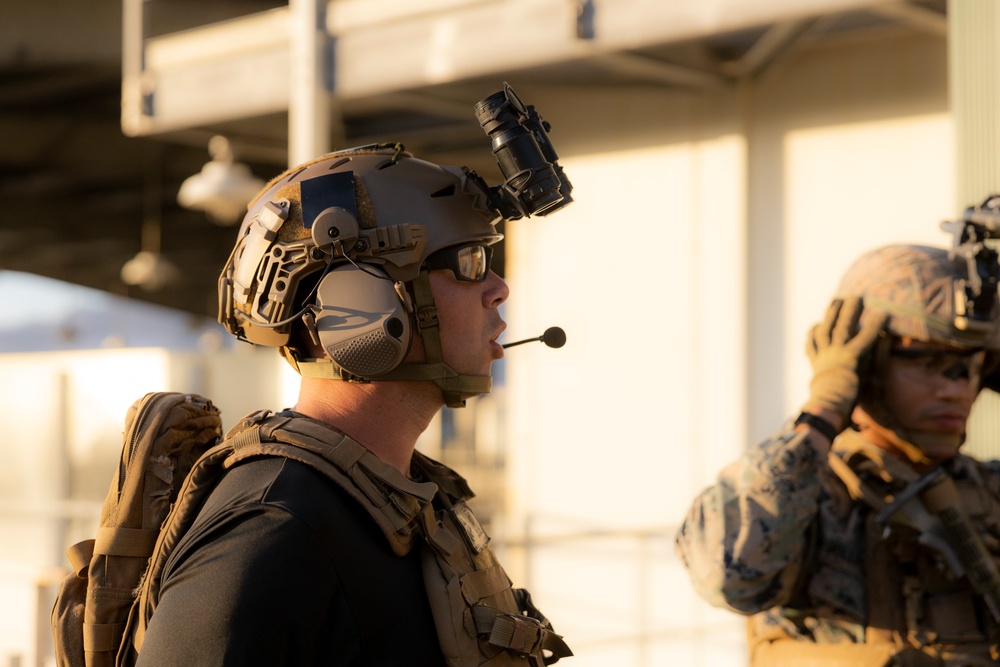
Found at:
(361, 322)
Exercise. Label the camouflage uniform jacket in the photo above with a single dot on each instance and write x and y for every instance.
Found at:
(780, 538)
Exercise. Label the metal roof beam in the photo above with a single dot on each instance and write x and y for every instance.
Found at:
(779, 39)
(915, 16)
(630, 64)
(240, 68)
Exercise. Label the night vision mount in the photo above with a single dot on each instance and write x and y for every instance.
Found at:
(977, 303)
(535, 183)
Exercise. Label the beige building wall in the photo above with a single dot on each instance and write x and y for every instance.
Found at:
(708, 234)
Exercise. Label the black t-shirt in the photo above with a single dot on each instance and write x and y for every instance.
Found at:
(282, 567)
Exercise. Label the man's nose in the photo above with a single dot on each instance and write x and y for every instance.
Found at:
(496, 291)
(960, 370)
(958, 381)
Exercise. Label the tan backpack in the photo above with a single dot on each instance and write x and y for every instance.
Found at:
(165, 434)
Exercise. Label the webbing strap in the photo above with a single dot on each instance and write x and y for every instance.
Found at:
(195, 488)
(381, 498)
(427, 318)
(430, 332)
(117, 541)
(481, 584)
(438, 373)
(80, 555)
(101, 637)
(401, 510)
(443, 376)
(247, 438)
(521, 634)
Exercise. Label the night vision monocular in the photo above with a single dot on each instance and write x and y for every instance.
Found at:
(977, 302)
(535, 183)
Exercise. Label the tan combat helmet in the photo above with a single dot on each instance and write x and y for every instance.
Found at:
(932, 295)
(333, 254)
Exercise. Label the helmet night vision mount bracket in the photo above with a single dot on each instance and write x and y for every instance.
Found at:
(977, 302)
(535, 183)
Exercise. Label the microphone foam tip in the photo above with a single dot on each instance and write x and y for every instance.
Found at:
(554, 337)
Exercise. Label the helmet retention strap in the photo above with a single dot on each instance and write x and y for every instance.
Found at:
(430, 331)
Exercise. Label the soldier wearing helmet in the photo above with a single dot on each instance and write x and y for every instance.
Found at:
(859, 534)
(369, 269)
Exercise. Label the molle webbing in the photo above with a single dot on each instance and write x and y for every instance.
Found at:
(525, 633)
(480, 618)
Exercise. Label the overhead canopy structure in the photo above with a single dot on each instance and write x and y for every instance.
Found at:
(100, 131)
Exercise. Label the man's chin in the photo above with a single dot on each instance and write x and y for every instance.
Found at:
(938, 446)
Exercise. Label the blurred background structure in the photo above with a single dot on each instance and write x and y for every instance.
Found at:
(729, 158)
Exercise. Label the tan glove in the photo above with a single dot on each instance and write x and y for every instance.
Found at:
(834, 347)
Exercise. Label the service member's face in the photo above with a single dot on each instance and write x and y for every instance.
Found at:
(470, 320)
(929, 389)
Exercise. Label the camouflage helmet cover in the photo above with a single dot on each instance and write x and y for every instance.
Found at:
(917, 286)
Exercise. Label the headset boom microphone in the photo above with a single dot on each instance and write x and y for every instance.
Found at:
(553, 337)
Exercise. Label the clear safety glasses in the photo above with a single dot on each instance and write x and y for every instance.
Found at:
(468, 262)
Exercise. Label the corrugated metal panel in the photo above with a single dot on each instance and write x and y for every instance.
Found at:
(974, 82)
(974, 89)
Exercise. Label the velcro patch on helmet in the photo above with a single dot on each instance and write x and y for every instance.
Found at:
(323, 192)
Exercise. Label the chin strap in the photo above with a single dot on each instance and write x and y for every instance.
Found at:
(453, 386)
